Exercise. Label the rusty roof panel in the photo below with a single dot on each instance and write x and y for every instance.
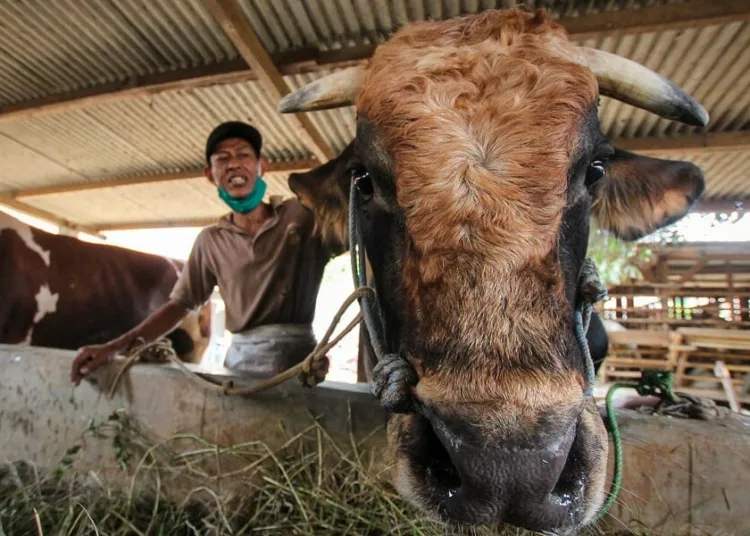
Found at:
(55, 46)
(711, 63)
(284, 25)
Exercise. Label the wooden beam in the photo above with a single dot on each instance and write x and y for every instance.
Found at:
(310, 60)
(236, 26)
(163, 224)
(692, 14)
(708, 143)
(98, 185)
(43, 215)
(273, 167)
(721, 205)
(690, 274)
(220, 73)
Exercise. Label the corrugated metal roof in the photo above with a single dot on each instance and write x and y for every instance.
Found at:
(91, 42)
(284, 25)
(23, 167)
(73, 44)
(159, 134)
(712, 64)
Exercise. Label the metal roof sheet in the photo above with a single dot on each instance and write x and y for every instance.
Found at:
(73, 44)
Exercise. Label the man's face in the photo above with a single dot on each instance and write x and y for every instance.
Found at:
(234, 167)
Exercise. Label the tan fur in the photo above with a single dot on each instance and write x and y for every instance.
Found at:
(535, 392)
(330, 218)
(506, 405)
(640, 195)
(324, 190)
(480, 116)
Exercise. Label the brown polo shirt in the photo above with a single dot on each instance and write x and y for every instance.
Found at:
(270, 278)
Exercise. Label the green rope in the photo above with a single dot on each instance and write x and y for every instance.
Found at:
(614, 429)
(652, 383)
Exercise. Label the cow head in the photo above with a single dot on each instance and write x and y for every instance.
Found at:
(480, 160)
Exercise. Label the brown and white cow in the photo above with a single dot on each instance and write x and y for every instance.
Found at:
(59, 292)
(479, 161)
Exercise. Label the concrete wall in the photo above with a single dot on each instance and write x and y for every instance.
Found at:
(681, 477)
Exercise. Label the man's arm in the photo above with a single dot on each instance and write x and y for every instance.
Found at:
(158, 324)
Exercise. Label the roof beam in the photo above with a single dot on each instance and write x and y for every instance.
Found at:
(690, 274)
(274, 167)
(694, 144)
(236, 26)
(162, 224)
(720, 205)
(694, 14)
(220, 73)
(43, 215)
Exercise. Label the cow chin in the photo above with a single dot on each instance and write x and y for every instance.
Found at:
(551, 480)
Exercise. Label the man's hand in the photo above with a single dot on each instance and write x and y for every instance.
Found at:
(89, 359)
(158, 324)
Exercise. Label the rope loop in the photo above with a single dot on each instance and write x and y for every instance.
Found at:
(310, 372)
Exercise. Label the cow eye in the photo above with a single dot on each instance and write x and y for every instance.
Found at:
(363, 182)
(595, 171)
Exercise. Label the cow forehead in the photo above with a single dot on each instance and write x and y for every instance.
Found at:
(479, 116)
(469, 80)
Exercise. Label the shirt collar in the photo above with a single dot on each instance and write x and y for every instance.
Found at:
(276, 202)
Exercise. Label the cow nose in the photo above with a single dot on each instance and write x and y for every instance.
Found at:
(538, 484)
(536, 489)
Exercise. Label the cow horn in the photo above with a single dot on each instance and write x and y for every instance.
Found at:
(630, 82)
(332, 91)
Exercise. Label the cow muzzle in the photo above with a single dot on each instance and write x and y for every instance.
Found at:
(550, 481)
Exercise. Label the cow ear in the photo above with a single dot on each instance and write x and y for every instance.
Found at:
(639, 195)
(325, 191)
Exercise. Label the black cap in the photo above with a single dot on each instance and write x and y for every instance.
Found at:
(233, 129)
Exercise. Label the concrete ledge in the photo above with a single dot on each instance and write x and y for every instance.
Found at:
(681, 477)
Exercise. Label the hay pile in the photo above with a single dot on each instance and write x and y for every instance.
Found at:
(186, 485)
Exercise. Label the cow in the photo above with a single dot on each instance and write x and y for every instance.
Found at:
(477, 164)
(57, 291)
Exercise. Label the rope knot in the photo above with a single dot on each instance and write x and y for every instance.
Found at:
(592, 288)
(314, 369)
(158, 351)
(659, 383)
(656, 383)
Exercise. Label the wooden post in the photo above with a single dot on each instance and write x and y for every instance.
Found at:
(721, 372)
(730, 290)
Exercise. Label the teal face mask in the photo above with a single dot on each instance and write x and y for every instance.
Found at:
(246, 204)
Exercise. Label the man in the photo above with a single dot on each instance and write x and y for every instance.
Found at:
(264, 257)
